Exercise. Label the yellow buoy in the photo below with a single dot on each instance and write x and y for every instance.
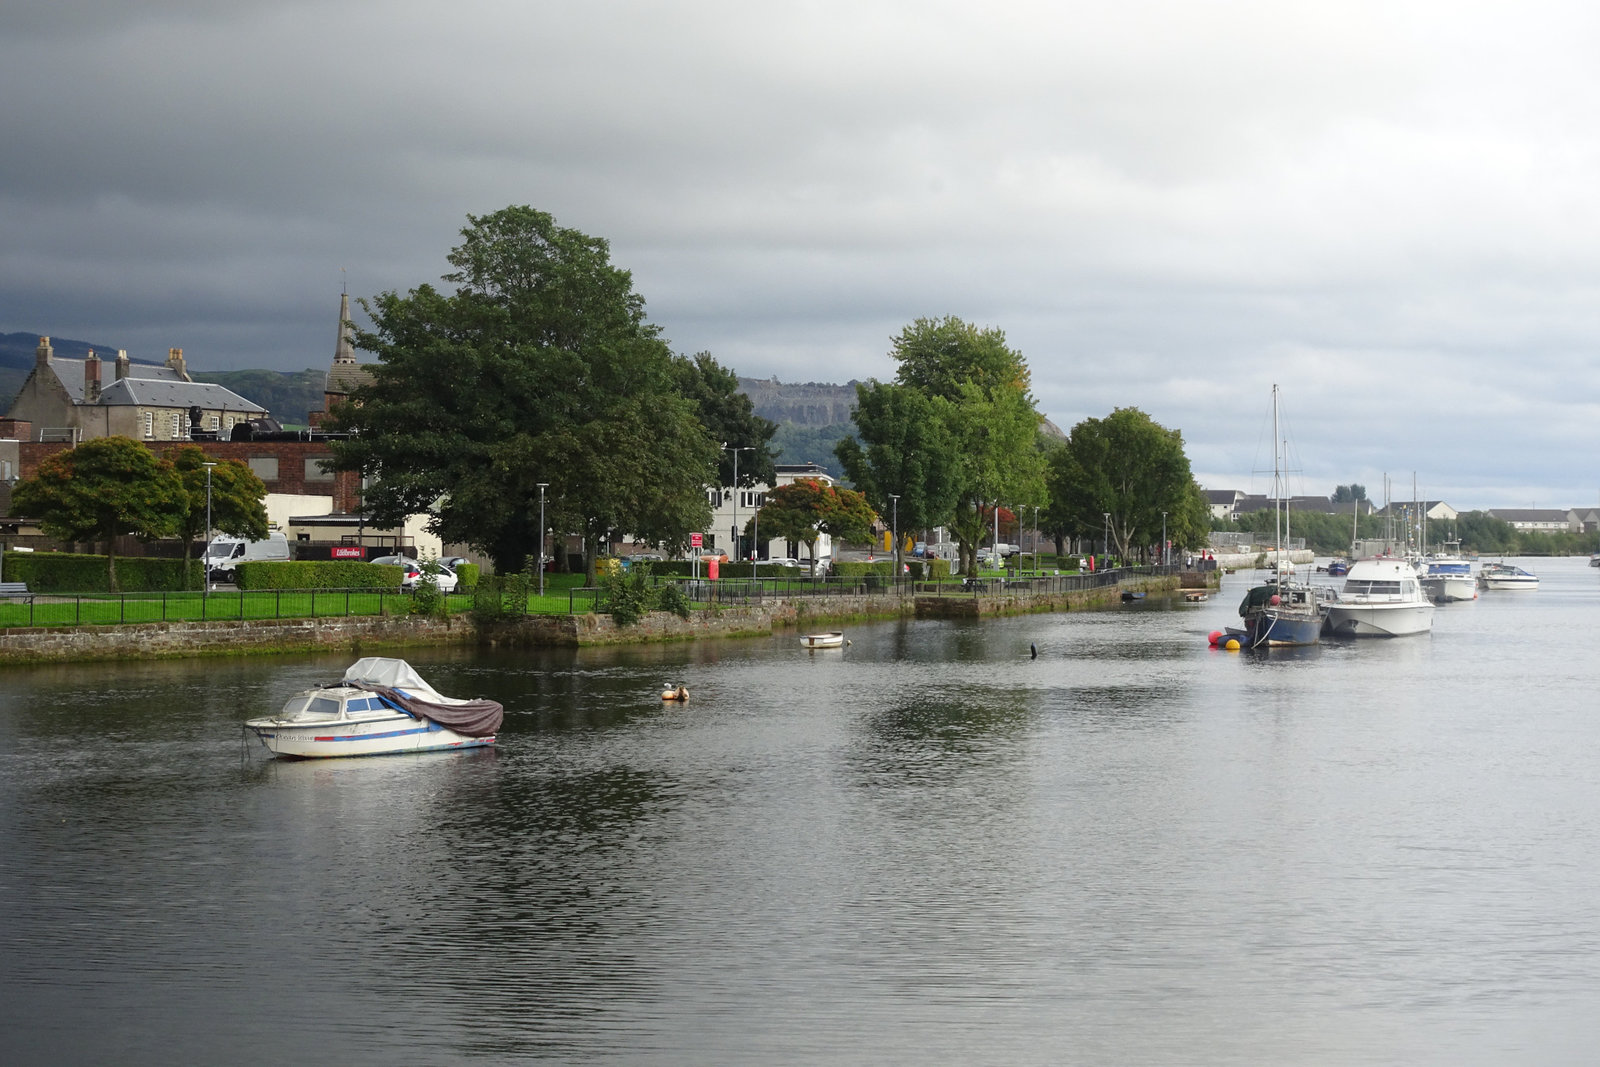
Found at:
(1232, 644)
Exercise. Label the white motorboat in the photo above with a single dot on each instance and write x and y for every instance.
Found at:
(1506, 576)
(1382, 597)
(1448, 578)
(835, 639)
(381, 707)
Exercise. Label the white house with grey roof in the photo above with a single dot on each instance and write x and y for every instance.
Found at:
(67, 399)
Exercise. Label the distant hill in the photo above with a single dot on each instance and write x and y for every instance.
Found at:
(811, 417)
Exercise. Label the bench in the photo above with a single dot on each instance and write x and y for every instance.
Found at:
(14, 589)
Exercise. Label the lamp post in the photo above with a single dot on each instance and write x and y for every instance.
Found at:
(894, 531)
(1036, 538)
(542, 487)
(205, 561)
(1163, 538)
(1105, 535)
(736, 449)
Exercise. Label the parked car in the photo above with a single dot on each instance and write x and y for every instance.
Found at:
(1008, 550)
(920, 549)
(445, 579)
(452, 562)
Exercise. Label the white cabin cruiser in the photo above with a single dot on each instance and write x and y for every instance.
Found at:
(382, 706)
(1506, 576)
(1382, 597)
(1448, 578)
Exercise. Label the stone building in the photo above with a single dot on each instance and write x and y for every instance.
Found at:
(70, 400)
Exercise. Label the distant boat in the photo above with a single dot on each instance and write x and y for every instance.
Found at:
(1338, 566)
(1506, 576)
(1382, 597)
(835, 639)
(1448, 577)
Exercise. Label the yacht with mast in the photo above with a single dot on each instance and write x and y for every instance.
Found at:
(1282, 612)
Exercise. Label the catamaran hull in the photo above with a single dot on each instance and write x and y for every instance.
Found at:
(382, 737)
(1367, 620)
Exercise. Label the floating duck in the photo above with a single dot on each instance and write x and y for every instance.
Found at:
(679, 693)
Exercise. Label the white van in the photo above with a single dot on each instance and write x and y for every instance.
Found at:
(224, 553)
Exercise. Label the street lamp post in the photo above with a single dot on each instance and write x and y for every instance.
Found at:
(736, 449)
(894, 531)
(205, 560)
(1036, 538)
(1163, 538)
(1105, 535)
(542, 487)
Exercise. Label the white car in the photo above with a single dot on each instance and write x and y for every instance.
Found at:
(445, 579)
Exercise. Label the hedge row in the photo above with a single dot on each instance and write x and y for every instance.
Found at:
(317, 574)
(74, 572)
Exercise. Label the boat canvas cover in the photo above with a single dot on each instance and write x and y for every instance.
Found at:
(398, 682)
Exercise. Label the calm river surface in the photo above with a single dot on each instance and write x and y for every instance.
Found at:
(927, 848)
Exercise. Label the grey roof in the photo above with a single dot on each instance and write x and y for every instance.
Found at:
(163, 393)
(1529, 514)
(1222, 496)
(70, 372)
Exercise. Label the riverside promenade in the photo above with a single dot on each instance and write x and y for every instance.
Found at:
(735, 610)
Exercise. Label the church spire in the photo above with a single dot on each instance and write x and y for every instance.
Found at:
(344, 351)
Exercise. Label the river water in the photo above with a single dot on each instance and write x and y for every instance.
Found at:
(929, 847)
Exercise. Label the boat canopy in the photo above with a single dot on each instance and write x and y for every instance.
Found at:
(390, 674)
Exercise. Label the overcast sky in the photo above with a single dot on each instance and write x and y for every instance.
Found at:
(1389, 209)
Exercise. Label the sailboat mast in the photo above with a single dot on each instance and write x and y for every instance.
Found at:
(1277, 486)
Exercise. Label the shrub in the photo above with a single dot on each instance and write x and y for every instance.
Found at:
(75, 572)
(317, 574)
(467, 574)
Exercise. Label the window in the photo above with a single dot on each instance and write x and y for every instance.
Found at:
(319, 468)
(749, 498)
(714, 496)
(215, 422)
(265, 467)
(149, 424)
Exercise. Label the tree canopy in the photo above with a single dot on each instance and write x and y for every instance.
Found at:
(1118, 475)
(953, 436)
(539, 368)
(805, 509)
(729, 419)
(101, 490)
(236, 498)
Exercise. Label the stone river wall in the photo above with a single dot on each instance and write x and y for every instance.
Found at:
(363, 635)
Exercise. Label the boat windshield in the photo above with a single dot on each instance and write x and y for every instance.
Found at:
(1359, 588)
(311, 706)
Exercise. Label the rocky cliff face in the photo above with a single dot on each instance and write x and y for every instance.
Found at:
(794, 404)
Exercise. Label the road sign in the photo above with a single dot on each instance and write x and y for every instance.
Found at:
(696, 540)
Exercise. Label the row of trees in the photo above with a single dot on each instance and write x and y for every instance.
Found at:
(110, 487)
(538, 386)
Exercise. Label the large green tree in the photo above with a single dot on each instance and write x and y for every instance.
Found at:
(540, 367)
(982, 422)
(1117, 475)
(236, 498)
(101, 490)
(908, 454)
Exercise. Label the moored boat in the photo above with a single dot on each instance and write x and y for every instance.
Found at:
(1281, 614)
(1506, 576)
(834, 639)
(1382, 597)
(1448, 578)
(381, 707)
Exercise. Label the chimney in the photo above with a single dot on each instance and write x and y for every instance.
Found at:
(122, 363)
(91, 378)
(344, 351)
(42, 354)
(175, 361)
